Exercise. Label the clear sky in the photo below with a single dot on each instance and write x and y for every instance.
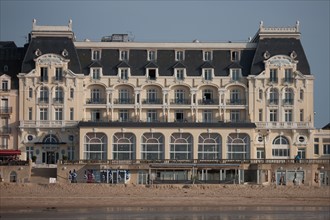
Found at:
(183, 21)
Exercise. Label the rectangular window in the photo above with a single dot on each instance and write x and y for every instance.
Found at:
(260, 114)
(273, 76)
(235, 74)
(29, 153)
(123, 115)
(71, 114)
(44, 114)
(301, 115)
(207, 55)
(288, 76)
(260, 153)
(58, 114)
(260, 94)
(30, 92)
(151, 116)
(273, 115)
(316, 149)
(152, 55)
(71, 93)
(123, 55)
(58, 74)
(30, 114)
(43, 74)
(301, 94)
(152, 74)
(179, 55)
(207, 116)
(326, 149)
(96, 73)
(207, 73)
(234, 115)
(179, 74)
(179, 116)
(288, 115)
(96, 116)
(4, 85)
(316, 139)
(96, 54)
(124, 74)
(235, 56)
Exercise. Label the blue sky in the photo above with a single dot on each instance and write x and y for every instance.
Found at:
(183, 21)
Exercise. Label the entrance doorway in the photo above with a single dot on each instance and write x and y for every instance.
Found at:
(50, 157)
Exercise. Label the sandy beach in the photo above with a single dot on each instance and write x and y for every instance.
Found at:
(31, 195)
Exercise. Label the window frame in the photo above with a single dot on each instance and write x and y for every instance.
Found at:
(207, 55)
(96, 54)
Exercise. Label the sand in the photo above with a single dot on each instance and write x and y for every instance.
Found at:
(57, 195)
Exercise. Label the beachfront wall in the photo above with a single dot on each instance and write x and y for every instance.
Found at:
(18, 173)
(139, 172)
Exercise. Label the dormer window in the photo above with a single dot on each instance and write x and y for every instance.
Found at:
(207, 74)
(235, 56)
(5, 68)
(235, 74)
(5, 85)
(180, 74)
(124, 73)
(152, 55)
(207, 55)
(152, 73)
(179, 55)
(96, 54)
(123, 55)
(96, 73)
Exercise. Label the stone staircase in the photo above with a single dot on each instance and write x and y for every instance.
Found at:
(42, 175)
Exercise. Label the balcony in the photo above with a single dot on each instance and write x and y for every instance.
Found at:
(6, 110)
(272, 101)
(180, 102)
(95, 101)
(58, 100)
(152, 101)
(281, 125)
(44, 100)
(47, 124)
(43, 79)
(5, 130)
(4, 90)
(208, 102)
(288, 101)
(123, 101)
(236, 102)
(273, 81)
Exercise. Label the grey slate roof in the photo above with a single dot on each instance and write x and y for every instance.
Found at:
(51, 45)
(279, 46)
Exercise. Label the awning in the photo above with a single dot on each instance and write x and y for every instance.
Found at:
(10, 152)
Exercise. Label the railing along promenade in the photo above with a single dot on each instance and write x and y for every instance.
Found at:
(196, 161)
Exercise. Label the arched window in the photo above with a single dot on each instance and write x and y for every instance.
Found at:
(273, 96)
(30, 93)
(280, 148)
(13, 177)
(50, 139)
(181, 146)
(209, 146)
(124, 146)
(238, 146)
(95, 146)
(152, 146)
(43, 94)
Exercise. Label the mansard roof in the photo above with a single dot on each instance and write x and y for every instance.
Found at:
(279, 46)
(179, 65)
(55, 45)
